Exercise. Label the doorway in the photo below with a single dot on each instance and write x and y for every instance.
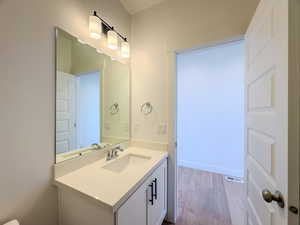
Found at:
(210, 135)
(88, 109)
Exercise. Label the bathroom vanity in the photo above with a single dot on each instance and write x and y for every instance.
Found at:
(128, 190)
(97, 185)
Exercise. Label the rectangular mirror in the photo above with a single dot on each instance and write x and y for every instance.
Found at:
(92, 98)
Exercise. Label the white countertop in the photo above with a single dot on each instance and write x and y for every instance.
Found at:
(107, 188)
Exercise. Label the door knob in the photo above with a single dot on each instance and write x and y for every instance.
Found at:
(277, 197)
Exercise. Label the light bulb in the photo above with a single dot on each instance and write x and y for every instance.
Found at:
(125, 49)
(95, 27)
(112, 40)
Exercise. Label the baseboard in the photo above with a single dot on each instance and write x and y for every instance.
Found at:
(211, 168)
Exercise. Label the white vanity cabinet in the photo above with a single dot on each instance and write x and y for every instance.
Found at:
(148, 205)
(157, 193)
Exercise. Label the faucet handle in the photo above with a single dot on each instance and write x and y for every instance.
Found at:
(109, 155)
(116, 153)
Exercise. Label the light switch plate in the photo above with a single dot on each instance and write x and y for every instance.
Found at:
(162, 129)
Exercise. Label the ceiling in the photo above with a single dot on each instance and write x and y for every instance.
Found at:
(135, 6)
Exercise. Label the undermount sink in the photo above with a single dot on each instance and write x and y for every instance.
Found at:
(128, 161)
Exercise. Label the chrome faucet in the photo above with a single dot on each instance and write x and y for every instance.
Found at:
(113, 153)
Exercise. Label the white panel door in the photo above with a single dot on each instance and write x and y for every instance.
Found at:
(267, 112)
(65, 112)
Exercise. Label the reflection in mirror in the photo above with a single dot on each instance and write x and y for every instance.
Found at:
(92, 98)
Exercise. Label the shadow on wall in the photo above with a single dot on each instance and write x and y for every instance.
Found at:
(27, 90)
(42, 207)
(44, 202)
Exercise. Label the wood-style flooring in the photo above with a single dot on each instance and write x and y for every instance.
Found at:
(205, 198)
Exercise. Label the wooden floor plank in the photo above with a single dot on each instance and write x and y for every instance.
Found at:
(203, 199)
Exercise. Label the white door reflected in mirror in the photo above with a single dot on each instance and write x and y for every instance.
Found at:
(88, 83)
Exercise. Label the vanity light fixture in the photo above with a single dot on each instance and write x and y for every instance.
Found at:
(95, 27)
(112, 40)
(125, 49)
(98, 26)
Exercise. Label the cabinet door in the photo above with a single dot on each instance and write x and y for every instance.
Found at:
(157, 209)
(134, 210)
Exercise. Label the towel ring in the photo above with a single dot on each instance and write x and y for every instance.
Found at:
(114, 109)
(146, 108)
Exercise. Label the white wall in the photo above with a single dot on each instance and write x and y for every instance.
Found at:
(169, 26)
(27, 98)
(210, 119)
(156, 33)
(28, 76)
